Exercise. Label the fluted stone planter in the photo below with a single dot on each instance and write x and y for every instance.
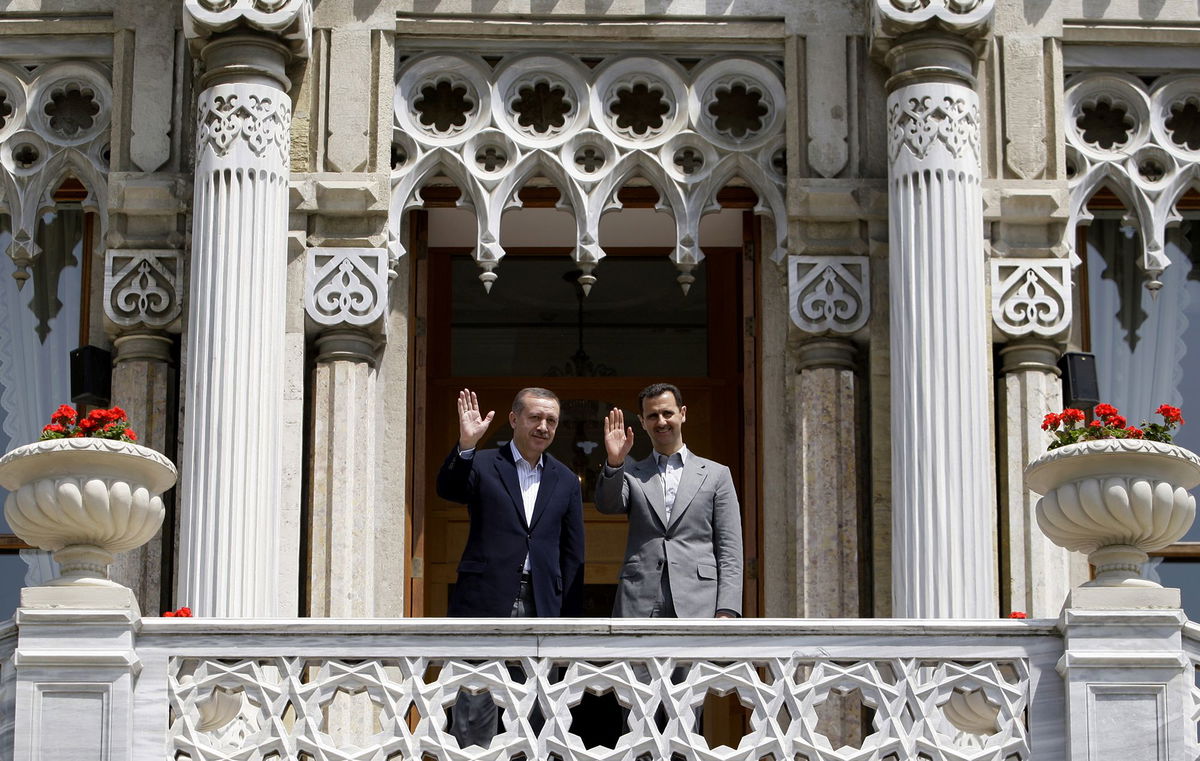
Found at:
(1116, 500)
(85, 500)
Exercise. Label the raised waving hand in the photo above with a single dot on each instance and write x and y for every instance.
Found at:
(618, 438)
(471, 425)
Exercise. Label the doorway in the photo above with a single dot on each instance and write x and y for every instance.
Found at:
(537, 328)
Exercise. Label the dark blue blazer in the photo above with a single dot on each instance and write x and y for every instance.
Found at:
(489, 573)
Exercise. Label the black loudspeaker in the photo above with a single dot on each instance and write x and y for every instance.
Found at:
(1080, 387)
(91, 376)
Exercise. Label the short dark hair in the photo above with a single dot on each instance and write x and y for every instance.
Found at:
(658, 389)
(536, 393)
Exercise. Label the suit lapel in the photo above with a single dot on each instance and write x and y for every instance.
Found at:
(508, 476)
(690, 481)
(646, 471)
(545, 489)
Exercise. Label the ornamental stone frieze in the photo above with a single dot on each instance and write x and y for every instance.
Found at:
(1031, 297)
(829, 294)
(54, 123)
(919, 121)
(288, 20)
(245, 117)
(688, 132)
(1138, 140)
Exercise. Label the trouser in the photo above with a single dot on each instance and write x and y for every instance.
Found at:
(475, 720)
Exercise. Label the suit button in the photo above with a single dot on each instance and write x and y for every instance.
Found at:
(660, 563)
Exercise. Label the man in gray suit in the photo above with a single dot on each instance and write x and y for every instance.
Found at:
(683, 558)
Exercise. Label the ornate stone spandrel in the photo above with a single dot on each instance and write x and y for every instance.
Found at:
(1031, 297)
(141, 287)
(54, 124)
(893, 18)
(345, 286)
(829, 294)
(290, 20)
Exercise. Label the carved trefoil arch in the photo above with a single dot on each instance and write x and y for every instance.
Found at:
(1142, 142)
(54, 124)
(588, 130)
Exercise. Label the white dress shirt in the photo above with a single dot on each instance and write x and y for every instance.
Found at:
(670, 467)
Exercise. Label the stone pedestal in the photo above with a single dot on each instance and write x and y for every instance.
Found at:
(1128, 680)
(75, 669)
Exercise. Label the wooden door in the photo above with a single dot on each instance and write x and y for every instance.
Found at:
(713, 388)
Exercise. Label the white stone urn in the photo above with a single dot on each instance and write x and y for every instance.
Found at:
(1116, 500)
(85, 499)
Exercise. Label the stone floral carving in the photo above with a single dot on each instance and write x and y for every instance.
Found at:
(258, 118)
(55, 124)
(589, 131)
(1116, 500)
(922, 122)
(141, 287)
(85, 499)
(346, 286)
(829, 293)
(1137, 140)
(892, 18)
(1031, 296)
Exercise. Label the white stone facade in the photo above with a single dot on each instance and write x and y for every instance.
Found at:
(259, 178)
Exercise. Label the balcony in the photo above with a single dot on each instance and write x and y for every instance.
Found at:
(105, 684)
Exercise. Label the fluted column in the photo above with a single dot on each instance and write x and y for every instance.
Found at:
(943, 484)
(231, 464)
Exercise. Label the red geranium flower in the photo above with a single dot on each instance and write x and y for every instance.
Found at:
(1171, 414)
(1105, 410)
(1051, 421)
(1133, 432)
(1072, 415)
(1017, 614)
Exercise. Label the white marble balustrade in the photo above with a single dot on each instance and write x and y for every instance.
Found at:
(251, 690)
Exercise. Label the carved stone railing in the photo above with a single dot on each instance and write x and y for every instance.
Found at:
(380, 689)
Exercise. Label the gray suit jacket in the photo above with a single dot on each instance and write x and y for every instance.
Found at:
(702, 545)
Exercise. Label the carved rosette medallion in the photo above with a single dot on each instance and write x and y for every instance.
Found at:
(829, 294)
(244, 125)
(1031, 296)
(493, 126)
(54, 123)
(345, 286)
(141, 287)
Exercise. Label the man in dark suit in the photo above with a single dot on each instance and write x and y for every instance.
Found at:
(683, 558)
(524, 553)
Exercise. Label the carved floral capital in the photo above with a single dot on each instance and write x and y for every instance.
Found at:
(968, 18)
(829, 294)
(346, 287)
(1031, 296)
(290, 20)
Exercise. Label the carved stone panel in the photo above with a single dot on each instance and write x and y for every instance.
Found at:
(829, 293)
(1031, 296)
(141, 287)
(346, 286)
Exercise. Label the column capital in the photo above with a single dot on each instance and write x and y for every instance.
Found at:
(347, 345)
(1030, 354)
(146, 345)
(891, 19)
(838, 354)
(289, 20)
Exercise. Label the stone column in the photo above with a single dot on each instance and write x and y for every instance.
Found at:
(1031, 308)
(346, 296)
(829, 300)
(231, 465)
(943, 483)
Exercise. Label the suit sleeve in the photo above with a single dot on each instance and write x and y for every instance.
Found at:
(612, 491)
(727, 545)
(571, 553)
(454, 480)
